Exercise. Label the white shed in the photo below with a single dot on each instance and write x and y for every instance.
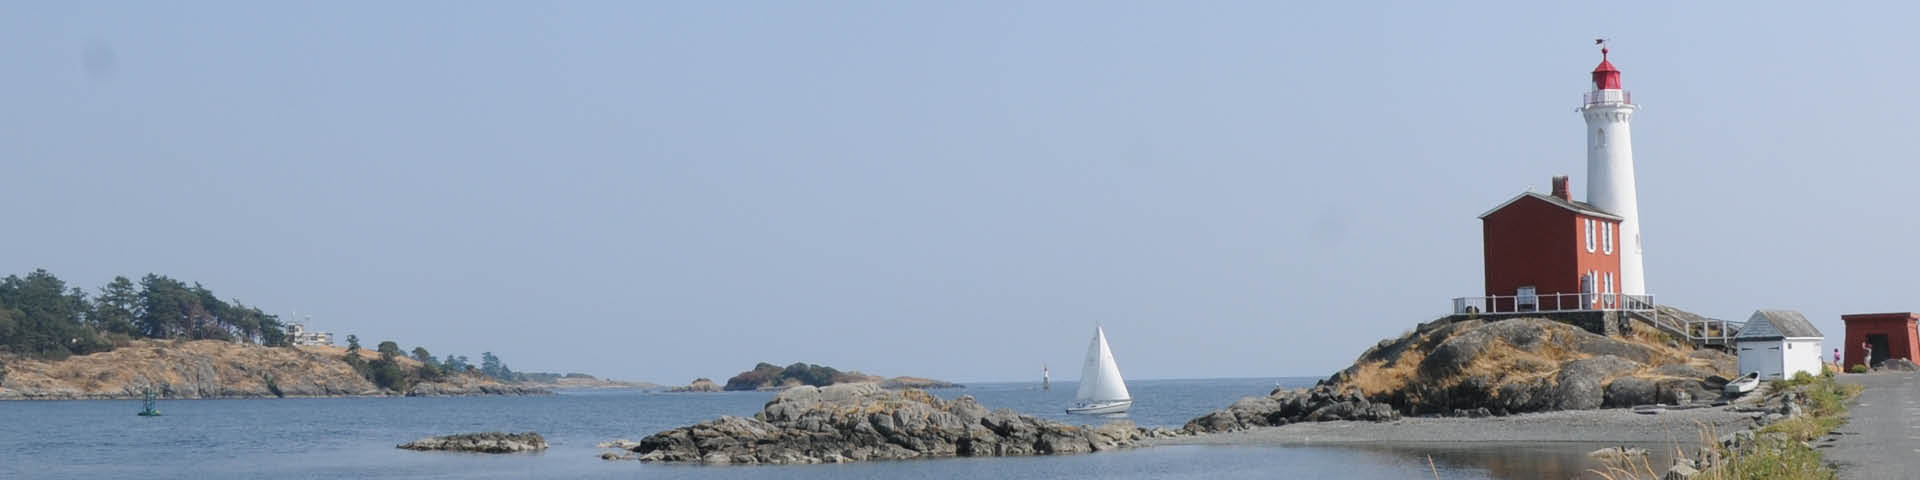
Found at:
(1778, 344)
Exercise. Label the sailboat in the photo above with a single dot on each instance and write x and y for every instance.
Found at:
(1046, 378)
(1101, 388)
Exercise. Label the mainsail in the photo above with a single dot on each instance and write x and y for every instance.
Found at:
(1100, 378)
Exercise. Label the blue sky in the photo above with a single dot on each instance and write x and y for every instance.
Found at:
(660, 191)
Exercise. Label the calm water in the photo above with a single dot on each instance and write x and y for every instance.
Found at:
(354, 437)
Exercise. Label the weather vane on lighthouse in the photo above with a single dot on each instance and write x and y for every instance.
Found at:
(1602, 42)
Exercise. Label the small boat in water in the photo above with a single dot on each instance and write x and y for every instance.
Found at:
(1102, 391)
(1744, 384)
(1046, 378)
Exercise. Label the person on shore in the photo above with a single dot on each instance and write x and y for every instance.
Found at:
(1869, 358)
(1836, 359)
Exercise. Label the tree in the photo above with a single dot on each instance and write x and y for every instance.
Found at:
(421, 354)
(388, 350)
(457, 363)
(116, 308)
(165, 307)
(48, 320)
(489, 363)
(390, 376)
(353, 344)
(492, 366)
(272, 332)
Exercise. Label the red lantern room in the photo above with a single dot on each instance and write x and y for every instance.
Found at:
(1605, 77)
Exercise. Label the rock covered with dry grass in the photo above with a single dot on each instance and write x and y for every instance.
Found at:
(216, 369)
(1479, 367)
(853, 422)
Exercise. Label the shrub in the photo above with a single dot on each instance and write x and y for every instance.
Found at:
(274, 387)
(1858, 369)
(390, 376)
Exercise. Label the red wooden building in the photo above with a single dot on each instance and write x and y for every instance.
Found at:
(1892, 335)
(1550, 253)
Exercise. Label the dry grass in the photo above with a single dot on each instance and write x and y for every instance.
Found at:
(1380, 377)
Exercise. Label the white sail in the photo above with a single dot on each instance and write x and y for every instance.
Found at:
(1100, 377)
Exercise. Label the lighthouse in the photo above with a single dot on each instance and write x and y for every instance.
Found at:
(1608, 109)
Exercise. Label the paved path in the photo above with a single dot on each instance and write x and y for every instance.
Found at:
(1881, 439)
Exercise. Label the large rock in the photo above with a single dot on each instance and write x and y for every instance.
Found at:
(1318, 404)
(1682, 391)
(861, 421)
(1579, 385)
(489, 442)
(1630, 391)
(1453, 366)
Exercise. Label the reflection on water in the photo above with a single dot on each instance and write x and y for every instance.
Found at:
(1533, 460)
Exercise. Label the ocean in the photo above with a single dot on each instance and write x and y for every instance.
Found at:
(341, 438)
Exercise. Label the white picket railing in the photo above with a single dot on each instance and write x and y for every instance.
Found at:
(1552, 302)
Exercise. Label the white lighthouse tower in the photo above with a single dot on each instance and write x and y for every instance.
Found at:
(1608, 109)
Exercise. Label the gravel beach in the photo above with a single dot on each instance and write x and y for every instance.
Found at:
(1576, 426)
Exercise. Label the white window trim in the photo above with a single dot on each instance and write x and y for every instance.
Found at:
(1590, 235)
(1606, 237)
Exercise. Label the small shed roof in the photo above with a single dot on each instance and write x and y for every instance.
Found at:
(1776, 325)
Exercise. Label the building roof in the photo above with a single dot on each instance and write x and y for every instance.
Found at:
(1908, 316)
(1576, 206)
(1777, 325)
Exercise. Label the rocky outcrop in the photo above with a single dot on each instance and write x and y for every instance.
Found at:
(215, 369)
(1318, 404)
(916, 382)
(1477, 367)
(701, 384)
(488, 442)
(767, 376)
(467, 385)
(855, 422)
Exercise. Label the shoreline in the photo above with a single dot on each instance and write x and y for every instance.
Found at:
(59, 398)
(1614, 426)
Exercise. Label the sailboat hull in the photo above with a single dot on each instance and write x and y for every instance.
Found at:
(1099, 408)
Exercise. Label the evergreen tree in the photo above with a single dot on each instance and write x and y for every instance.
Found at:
(353, 344)
(46, 319)
(116, 308)
(388, 350)
(457, 363)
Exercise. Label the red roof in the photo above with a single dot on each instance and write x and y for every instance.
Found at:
(1605, 77)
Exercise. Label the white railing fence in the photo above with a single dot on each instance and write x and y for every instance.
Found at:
(1552, 302)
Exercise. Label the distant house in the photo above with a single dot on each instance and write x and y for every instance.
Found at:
(1778, 344)
(305, 338)
(1891, 335)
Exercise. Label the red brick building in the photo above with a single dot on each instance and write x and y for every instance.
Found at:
(1892, 335)
(1551, 253)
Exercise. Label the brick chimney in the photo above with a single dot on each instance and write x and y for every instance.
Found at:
(1560, 188)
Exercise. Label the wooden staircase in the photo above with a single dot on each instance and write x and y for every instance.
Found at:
(1702, 332)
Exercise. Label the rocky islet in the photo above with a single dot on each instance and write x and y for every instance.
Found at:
(861, 421)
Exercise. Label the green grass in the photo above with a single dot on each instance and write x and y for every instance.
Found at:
(1792, 459)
